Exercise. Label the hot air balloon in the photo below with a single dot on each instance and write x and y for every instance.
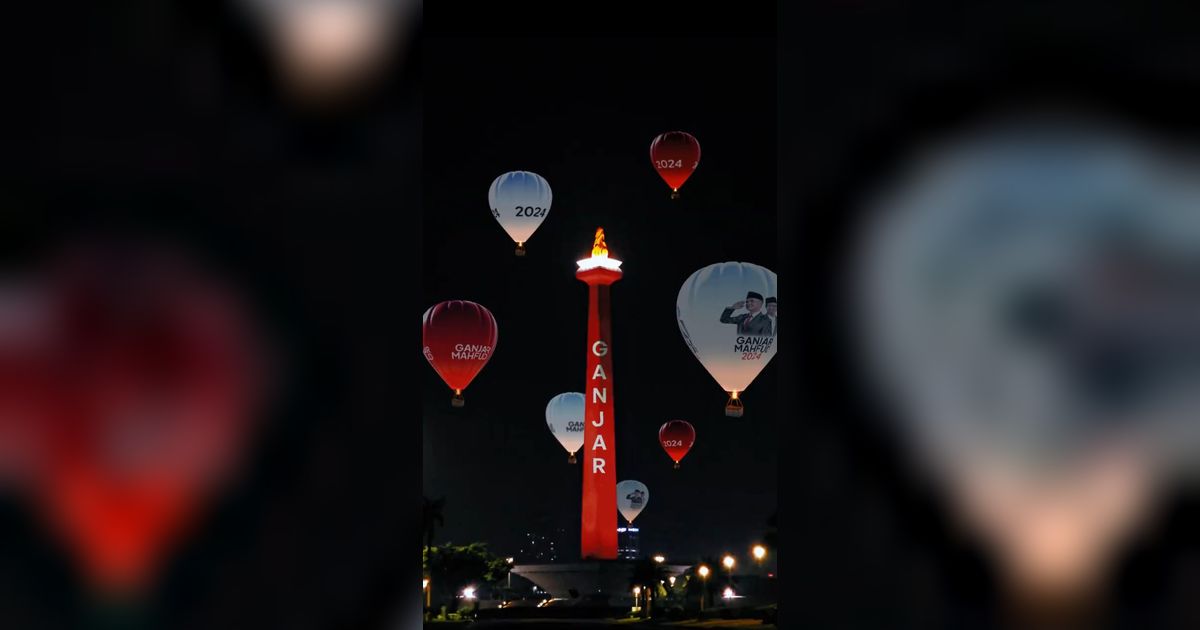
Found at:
(632, 497)
(675, 155)
(728, 315)
(676, 438)
(144, 380)
(520, 201)
(564, 416)
(459, 338)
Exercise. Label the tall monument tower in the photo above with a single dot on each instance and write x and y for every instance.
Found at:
(599, 524)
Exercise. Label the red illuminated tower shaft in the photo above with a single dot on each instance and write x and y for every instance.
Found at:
(599, 516)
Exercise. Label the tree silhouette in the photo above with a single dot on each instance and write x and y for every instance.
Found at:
(649, 575)
(698, 585)
(451, 568)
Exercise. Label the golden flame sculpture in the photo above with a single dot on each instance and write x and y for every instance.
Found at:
(599, 249)
(599, 255)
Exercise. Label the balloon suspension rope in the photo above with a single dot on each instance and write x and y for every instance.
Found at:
(571, 459)
(521, 248)
(733, 408)
(674, 193)
(457, 399)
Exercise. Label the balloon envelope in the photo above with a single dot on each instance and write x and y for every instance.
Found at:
(724, 316)
(520, 201)
(676, 438)
(632, 497)
(459, 338)
(154, 377)
(675, 155)
(564, 416)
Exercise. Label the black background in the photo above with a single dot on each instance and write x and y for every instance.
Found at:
(861, 86)
(163, 119)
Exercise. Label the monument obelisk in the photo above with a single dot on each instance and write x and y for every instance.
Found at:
(598, 533)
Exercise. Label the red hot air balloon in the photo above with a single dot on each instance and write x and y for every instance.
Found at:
(677, 437)
(151, 372)
(459, 338)
(675, 155)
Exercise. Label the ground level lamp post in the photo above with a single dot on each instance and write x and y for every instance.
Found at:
(728, 562)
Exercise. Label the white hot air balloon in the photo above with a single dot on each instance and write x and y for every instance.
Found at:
(728, 314)
(520, 201)
(564, 416)
(632, 497)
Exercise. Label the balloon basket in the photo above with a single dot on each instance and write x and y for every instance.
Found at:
(733, 408)
(676, 465)
(571, 459)
(520, 249)
(674, 194)
(457, 401)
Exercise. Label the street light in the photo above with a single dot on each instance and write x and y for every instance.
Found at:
(469, 592)
(672, 581)
(659, 559)
(728, 592)
(703, 571)
(760, 552)
(728, 562)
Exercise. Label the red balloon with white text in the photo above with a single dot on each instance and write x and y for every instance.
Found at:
(459, 338)
(677, 438)
(675, 156)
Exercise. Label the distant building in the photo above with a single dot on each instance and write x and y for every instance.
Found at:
(628, 545)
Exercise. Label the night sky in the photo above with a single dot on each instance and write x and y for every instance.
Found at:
(581, 112)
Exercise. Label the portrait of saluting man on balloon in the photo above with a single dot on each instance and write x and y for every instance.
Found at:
(755, 321)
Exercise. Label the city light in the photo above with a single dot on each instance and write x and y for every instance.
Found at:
(760, 552)
(671, 580)
(703, 571)
(728, 562)
(728, 592)
(508, 560)
(659, 559)
(424, 583)
(637, 590)
(469, 592)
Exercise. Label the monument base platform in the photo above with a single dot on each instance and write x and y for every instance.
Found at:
(588, 579)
